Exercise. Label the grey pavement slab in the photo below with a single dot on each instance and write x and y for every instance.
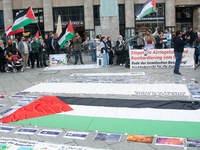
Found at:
(10, 83)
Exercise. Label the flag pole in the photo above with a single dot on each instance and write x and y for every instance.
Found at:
(39, 28)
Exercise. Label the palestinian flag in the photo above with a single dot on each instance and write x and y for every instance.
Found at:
(37, 37)
(140, 117)
(147, 8)
(164, 41)
(24, 18)
(66, 35)
(9, 31)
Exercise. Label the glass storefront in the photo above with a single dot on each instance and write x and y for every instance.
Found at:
(2, 31)
(184, 18)
(151, 20)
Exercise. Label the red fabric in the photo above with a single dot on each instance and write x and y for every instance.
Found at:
(70, 28)
(47, 105)
(154, 3)
(9, 31)
(149, 42)
(37, 35)
(30, 14)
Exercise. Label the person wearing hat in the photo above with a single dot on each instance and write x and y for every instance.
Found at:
(11, 48)
(192, 37)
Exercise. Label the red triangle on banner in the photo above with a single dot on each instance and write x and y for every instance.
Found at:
(154, 3)
(70, 28)
(37, 35)
(30, 14)
(47, 105)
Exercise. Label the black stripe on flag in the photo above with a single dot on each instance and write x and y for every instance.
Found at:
(156, 104)
(63, 32)
(141, 8)
(21, 14)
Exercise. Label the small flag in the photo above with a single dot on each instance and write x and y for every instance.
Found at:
(9, 31)
(37, 37)
(24, 18)
(146, 9)
(66, 35)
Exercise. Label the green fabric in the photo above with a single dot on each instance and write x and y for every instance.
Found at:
(22, 24)
(67, 38)
(35, 47)
(116, 125)
(148, 11)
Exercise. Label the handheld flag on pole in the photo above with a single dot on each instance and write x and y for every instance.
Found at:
(147, 8)
(67, 34)
(24, 18)
(9, 31)
(37, 37)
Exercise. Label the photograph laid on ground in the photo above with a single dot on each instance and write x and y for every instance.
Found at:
(107, 137)
(51, 133)
(140, 139)
(6, 128)
(195, 143)
(76, 135)
(26, 131)
(169, 141)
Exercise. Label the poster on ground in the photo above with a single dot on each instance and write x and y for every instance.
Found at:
(107, 137)
(168, 141)
(26, 131)
(159, 58)
(51, 133)
(58, 59)
(6, 128)
(140, 139)
(76, 135)
(195, 143)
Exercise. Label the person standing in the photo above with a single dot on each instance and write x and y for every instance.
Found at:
(55, 45)
(149, 34)
(77, 48)
(24, 50)
(159, 41)
(50, 43)
(42, 53)
(16, 44)
(46, 42)
(93, 47)
(104, 52)
(192, 37)
(167, 35)
(196, 45)
(178, 50)
(11, 48)
(29, 59)
(140, 41)
(2, 57)
(111, 50)
(173, 36)
(35, 53)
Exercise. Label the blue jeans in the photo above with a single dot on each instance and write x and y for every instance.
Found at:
(178, 56)
(94, 55)
(105, 59)
(76, 56)
(189, 45)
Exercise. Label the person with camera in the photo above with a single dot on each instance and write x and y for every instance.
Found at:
(77, 48)
(179, 44)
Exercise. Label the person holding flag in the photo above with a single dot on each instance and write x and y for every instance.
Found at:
(35, 53)
(24, 50)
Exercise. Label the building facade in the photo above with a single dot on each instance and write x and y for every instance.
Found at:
(86, 18)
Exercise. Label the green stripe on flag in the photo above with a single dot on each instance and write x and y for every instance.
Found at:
(116, 125)
(22, 24)
(67, 38)
(146, 12)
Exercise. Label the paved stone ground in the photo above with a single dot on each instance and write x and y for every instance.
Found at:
(10, 83)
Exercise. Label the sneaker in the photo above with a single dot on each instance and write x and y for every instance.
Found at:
(82, 63)
(178, 73)
(27, 67)
(75, 64)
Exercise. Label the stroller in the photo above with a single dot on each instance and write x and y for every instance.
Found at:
(15, 64)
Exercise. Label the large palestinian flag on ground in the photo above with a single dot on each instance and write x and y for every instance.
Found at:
(147, 8)
(140, 117)
(24, 18)
(66, 35)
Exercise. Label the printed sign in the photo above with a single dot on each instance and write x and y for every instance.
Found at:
(76, 135)
(58, 59)
(159, 58)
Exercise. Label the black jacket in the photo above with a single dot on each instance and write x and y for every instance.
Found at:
(12, 49)
(2, 52)
(192, 36)
(158, 44)
(179, 44)
(55, 44)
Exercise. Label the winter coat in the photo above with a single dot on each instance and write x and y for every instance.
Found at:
(11, 49)
(179, 44)
(77, 44)
(196, 44)
(192, 37)
(21, 47)
(2, 52)
(35, 47)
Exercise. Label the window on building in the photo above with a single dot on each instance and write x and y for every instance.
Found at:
(69, 13)
(1, 18)
(182, 12)
(96, 12)
(121, 12)
(37, 12)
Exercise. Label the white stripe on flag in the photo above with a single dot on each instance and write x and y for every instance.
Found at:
(19, 20)
(63, 38)
(135, 113)
(149, 5)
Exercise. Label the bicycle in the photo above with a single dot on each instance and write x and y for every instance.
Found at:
(70, 55)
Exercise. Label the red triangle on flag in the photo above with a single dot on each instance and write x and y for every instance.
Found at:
(154, 3)
(47, 105)
(37, 35)
(70, 28)
(30, 14)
